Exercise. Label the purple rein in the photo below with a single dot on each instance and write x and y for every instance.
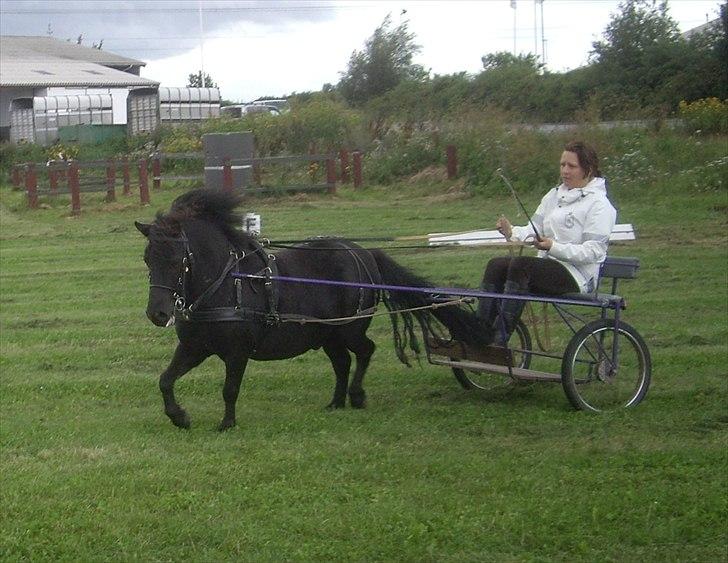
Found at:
(457, 292)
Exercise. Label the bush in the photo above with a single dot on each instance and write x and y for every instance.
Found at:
(709, 115)
(402, 153)
(11, 153)
(320, 124)
(485, 143)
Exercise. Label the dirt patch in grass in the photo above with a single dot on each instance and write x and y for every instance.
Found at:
(430, 175)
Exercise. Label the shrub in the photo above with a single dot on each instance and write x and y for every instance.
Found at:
(320, 123)
(402, 153)
(709, 115)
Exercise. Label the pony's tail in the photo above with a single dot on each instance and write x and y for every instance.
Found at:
(412, 306)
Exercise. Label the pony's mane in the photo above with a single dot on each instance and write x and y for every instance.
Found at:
(213, 206)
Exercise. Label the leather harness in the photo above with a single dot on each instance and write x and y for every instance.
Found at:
(196, 312)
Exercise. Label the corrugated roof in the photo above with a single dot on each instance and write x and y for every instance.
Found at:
(45, 71)
(25, 47)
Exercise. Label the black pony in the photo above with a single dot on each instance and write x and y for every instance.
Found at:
(194, 253)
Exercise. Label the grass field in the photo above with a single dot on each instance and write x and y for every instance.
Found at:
(92, 470)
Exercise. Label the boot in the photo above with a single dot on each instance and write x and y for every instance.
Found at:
(487, 309)
(511, 309)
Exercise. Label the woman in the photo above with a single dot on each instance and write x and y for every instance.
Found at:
(573, 224)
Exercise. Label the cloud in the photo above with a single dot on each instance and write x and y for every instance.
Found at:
(151, 29)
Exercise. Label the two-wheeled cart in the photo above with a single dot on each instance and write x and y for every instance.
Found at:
(605, 364)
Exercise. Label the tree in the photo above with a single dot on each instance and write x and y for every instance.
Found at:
(504, 59)
(193, 81)
(508, 81)
(642, 50)
(706, 58)
(385, 62)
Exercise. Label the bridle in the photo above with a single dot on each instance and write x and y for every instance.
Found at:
(195, 310)
(178, 293)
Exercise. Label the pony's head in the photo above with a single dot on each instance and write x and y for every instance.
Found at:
(168, 254)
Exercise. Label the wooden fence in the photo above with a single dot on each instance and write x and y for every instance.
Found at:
(260, 166)
(75, 177)
(65, 177)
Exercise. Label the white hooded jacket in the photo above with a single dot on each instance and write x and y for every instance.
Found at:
(579, 221)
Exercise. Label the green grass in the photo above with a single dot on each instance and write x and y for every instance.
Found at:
(93, 470)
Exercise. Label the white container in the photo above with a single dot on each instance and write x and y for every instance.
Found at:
(251, 224)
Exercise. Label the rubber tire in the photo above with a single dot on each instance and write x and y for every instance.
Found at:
(521, 330)
(638, 346)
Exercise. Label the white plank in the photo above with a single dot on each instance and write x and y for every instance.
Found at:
(623, 231)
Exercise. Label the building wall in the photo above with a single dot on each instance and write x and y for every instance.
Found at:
(6, 96)
(118, 96)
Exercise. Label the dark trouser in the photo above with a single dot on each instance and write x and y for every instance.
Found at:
(518, 275)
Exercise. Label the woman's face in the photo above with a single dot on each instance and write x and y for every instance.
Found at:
(572, 174)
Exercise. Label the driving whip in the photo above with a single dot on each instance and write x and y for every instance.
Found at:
(520, 203)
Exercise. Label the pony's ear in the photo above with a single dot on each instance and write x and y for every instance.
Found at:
(143, 228)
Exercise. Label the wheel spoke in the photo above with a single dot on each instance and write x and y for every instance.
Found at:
(591, 379)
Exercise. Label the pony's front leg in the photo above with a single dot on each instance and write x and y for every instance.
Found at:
(183, 361)
(234, 370)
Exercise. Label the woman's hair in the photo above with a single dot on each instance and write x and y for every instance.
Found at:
(587, 156)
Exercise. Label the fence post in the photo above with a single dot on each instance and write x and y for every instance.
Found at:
(17, 180)
(110, 180)
(74, 188)
(356, 156)
(156, 171)
(31, 185)
(143, 181)
(227, 175)
(331, 175)
(125, 174)
(452, 162)
(344, 158)
(53, 177)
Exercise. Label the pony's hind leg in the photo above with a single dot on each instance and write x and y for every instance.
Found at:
(341, 361)
(183, 361)
(363, 349)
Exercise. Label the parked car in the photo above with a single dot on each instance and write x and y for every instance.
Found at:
(239, 110)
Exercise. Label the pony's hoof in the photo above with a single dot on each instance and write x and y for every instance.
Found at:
(226, 425)
(181, 419)
(358, 399)
(335, 405)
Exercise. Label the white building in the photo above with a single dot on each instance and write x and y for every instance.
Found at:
(37, 67)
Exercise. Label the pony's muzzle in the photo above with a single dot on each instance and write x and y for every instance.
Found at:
(160, 318)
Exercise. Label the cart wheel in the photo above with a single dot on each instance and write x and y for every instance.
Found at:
(483, 380)
(589, 378)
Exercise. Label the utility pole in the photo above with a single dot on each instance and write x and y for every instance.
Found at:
(202, 40)
(513, 5)
(543, 38)
(535, 28)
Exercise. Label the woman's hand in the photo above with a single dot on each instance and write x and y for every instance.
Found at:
(543, 244)
(504, 227)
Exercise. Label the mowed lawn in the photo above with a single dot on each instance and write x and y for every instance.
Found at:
(92, 470)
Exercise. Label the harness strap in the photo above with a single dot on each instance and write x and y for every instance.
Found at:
(269, 273)
(226, 314)
(222, 314)
(231, 263)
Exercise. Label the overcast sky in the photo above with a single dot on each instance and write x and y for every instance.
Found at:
(274, 47)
